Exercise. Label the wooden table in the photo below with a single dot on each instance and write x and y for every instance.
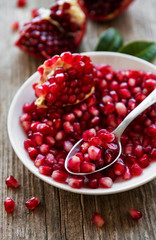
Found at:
(63, 215)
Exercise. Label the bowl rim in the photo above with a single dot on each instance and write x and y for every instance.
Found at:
(85, 191)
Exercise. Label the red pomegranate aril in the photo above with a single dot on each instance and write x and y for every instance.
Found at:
(119, 168)
(108, 156)
(21, 3)
(38, 138)
(143, 161)
(60, 136)
(121, 109)
(150, 84)
(87, 135)
(12, 182)
(50, 159)
(105, 136)
(87, 167)
(84, 147)
(94, 153)
(15, 25)
(75, 182)
(74, 164)
(28, 143)
(135, 214)
(93, 183)
(50, 140)
(151, 130)
(68, 128)
(32, 152)
(45, 170)
(44, 149)
(136, 170)
(67, 145)
(98, 220)
(105, 182)
(59, 176)
(43, 128)
(9, 205)
(32, 203)
(127, 174)
(138, 151)
(39, 161)
(124, 93)
(128, 149)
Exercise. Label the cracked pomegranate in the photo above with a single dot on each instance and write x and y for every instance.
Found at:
(103, 10)
(65, 80)
(51, 132)
(53, 31)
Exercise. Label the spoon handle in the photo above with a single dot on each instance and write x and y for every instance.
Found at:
(147, 102)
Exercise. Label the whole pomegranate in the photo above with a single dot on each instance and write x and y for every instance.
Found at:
(53, 31)
(103, 10)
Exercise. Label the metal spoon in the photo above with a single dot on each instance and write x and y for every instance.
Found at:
(147, 102)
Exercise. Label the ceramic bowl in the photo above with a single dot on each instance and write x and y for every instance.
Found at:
(26, 94)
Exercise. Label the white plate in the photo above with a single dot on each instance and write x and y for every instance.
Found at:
(26, 94)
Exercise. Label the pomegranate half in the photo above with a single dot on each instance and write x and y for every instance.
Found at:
(103, 10)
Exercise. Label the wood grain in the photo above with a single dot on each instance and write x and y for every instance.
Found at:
(63, 215)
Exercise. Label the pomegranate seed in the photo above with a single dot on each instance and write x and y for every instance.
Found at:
(44, 149)
(38, 138)
(127, 174)
(32, 203)
(105, 182)
(40, 160)
(136, 170)
(9, 205)
(151, 130)
(12, 182)
(93, 183)
(87, 135)
(98, 220)
(15, 26)
(119, 168)
(135, 214)
(59, 176)
(74, 164)
(28, 143)
(153, 153)
(75, 182)
(121, 109)
(21, 3)
(34, 12)
(105, 136)
(143, 161)
(67, 145)
(94, 153)
(32, 152)
(45, 170)
(87, 167)
(50, 159)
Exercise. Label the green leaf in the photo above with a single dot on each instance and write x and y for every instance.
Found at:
(110, 40)
(142, 49)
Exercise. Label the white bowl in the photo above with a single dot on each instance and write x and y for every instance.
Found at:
(26, 94)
